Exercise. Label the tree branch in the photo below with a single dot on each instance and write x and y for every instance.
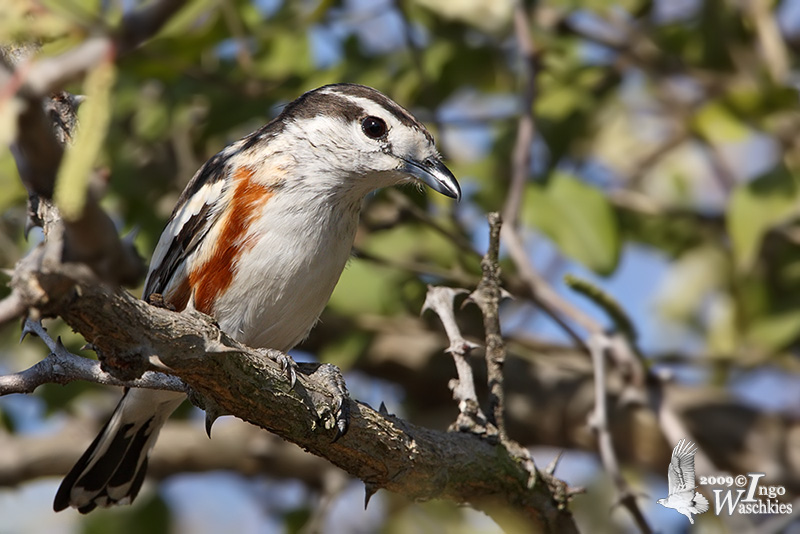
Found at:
(11, 308)
(487, 296)
(471, 418)
(131, 336)
(181, 447)
(599, 345)
(63, 367)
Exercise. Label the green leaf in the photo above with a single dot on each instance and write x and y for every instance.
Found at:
(691, 278)
(366, 288)
(190, 19)
(718, 124)
(612, 307)
(755, 208)
(289, 55)
(775, 331)
(559, 102)
(578, 218)
(345, 350)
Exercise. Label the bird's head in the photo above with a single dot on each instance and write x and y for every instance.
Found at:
(362, 140)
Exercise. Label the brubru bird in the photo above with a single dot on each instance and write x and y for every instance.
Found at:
(258, 240)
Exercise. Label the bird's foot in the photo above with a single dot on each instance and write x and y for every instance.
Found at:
(331, 383)
(288, 365)
(330, 377)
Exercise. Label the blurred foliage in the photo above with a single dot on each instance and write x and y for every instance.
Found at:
(660, 124)
(578, 218)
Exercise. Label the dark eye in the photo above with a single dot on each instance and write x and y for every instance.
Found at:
(374, 127)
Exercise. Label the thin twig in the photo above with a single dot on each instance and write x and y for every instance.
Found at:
(422, 215)
(487, 296)
(770, 39)
(455, 275)
(541, 292)
(63, 367)
(521, 157)
(544, 295)
(598, 346)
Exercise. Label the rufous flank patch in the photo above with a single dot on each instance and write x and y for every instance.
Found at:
(214, 276)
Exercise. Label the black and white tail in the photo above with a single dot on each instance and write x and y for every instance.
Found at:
(112, 469)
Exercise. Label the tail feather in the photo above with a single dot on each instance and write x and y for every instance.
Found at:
(112, 469)
(700, 503)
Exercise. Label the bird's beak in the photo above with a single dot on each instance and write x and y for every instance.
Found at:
(433, 172)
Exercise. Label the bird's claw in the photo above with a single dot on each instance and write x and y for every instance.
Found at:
(330, 376)
(288, 365)
(335, 380)
(342, 417)
(289, 368)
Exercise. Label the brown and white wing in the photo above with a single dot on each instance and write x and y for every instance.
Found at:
(198, 209)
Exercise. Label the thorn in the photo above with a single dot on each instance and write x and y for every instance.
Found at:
(577, 490)
(341, 430)
(59, 349)
(131, 236)
(27, 328)
(551, 467)
(382, 409)
(211, 417)
(425, 306)
(370, 489)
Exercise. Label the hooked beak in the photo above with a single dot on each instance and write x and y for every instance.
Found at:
(433, 172)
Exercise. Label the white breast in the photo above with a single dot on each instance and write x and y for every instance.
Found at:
(282, 283)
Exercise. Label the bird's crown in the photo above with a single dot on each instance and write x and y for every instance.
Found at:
(357, 134)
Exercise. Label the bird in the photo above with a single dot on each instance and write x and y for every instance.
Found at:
(682, 495)
(257, 240)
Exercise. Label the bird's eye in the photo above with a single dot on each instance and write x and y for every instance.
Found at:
(374, 127)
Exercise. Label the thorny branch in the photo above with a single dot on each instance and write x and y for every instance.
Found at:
(550, 301)
(382, 450)
(471, 418)
(487, 296)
